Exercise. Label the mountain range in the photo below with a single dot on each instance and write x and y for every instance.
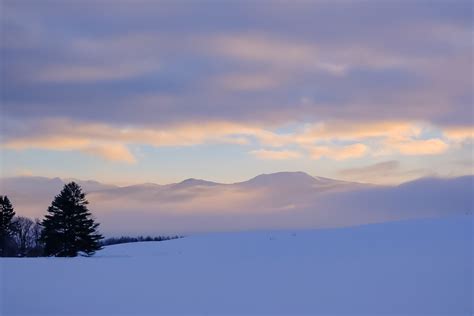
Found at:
(284, 200)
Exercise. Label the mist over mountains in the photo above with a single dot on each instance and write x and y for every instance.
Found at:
(284, 200)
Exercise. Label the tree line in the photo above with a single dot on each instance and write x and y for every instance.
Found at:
(128, 239)
(19, 236)
(67, 230)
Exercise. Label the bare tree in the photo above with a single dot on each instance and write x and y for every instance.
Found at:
(36, 232)
(26, 234)
(22, 234)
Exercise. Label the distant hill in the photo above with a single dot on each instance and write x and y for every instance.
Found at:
(268, 201)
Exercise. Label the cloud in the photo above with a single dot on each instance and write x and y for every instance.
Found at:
(347, 130)
(251, 65)
(275, 154)
(297, 55)
(113, 152)
(432, 146)
(110, 142)
(51, 142)
(265, 50)
(107, 150)
(381, 168)
(459, 134)
(386, 172)
(249, 81)
(163, 74)
(324, 139)
(338, 153)
(95, 72)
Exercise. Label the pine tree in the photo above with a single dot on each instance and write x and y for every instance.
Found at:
(68, 229)
(6, 225)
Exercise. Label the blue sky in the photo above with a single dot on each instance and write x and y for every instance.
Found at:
(159, 91)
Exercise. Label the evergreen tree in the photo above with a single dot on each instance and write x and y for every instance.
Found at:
(68, 228)
(6, 225)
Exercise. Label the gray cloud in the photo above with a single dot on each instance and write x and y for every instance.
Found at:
(384, 172)
(378, 168)
(151, 63)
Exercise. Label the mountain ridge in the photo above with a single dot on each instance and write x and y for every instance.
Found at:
(271, 201)
(261, 178)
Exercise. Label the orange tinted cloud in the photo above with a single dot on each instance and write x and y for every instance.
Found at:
(459, 133)
(318, 139)
(338, 153)
(106, 150)
(276, 154)
(432, 146)
(113, 152)
(355, 131)
(48, 142)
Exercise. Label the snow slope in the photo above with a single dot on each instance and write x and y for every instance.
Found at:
(417, 267)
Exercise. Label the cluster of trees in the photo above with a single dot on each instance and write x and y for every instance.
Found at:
(127, 239)
(20, 236)
(66, 231)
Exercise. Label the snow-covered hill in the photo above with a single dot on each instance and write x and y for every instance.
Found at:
(418, 267)
(269, 201)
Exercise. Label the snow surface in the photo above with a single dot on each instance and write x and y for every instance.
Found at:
(417, 267)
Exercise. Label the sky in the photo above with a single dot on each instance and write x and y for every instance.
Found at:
(158, 91)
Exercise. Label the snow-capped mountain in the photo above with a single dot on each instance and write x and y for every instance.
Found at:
(269, 201)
